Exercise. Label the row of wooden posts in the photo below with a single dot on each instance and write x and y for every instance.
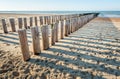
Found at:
(35, 21)
(46, 35)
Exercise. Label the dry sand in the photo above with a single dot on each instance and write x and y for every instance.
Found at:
(92, 52)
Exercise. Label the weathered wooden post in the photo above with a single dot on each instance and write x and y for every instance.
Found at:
(62, 30)
(25, 23)
(31, 21)
(48, 20)
(35, 19)
(12, 23)
(45, 35)
(50, 35)
(51, 19)
(74, 25)
(71, 24)
(4, 26)
(68, 23)
(66, 27)
(24, 44)
(20, 23)
(45, 20)
(81, 20)
(56, 32)
(35, 40)
(53, 34)
(59, 30)
(41, 20)
(41, 39)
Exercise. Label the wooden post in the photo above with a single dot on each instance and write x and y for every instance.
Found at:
(56, 31)
(68, 23)
(4, 26)
(66, 27)
(41, 39)
(62, 30)
(50, 35)
(45, 37)
(36, 21)
(53, 34)
(45, 20)
(12, 23)
(31, 21)
(25, 23)
(73, 24)
(20, 23)
(81, 21)
(41, 20)
(24, 44)
(35, 40)
(51, 19)
(59, 30)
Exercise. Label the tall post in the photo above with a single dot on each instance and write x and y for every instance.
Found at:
(62, 30)
(24, 44)
(56, 32)
(25, 23)
(66, 27)
(45, 35)
(41, 20)
(50, 35)
(35, 40)
(53, 34)
(4, 26)
(59, 30)
(31, 21)
(36, 23)
(12, 23)
(20, 23)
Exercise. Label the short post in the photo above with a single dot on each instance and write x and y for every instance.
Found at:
(71, 25)
(59, 30)
(62, 30)
(25, 23)
(66, 27)
(45, 19)
(56, 31)
(41, 39)
(36, 21)
(53, 34)
(4, 26)
(31, 21)
(35, 40)
(68, 23)
(50, 35)
(12, 23)
(51, 19)
(20, 23)
(24, 44)
(41, 20)
(45, 36)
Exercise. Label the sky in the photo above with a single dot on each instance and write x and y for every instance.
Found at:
(59, 5)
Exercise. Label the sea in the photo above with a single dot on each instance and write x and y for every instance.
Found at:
(102, 13)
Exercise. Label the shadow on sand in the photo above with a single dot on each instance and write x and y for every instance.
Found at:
(75, 45)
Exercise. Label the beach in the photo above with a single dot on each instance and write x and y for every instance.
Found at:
(92, 52)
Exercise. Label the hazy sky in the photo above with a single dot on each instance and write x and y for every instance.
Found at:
(60, 5)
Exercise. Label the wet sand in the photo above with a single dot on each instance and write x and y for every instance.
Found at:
(92, 52)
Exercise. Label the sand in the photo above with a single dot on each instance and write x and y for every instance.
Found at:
(92, 52)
